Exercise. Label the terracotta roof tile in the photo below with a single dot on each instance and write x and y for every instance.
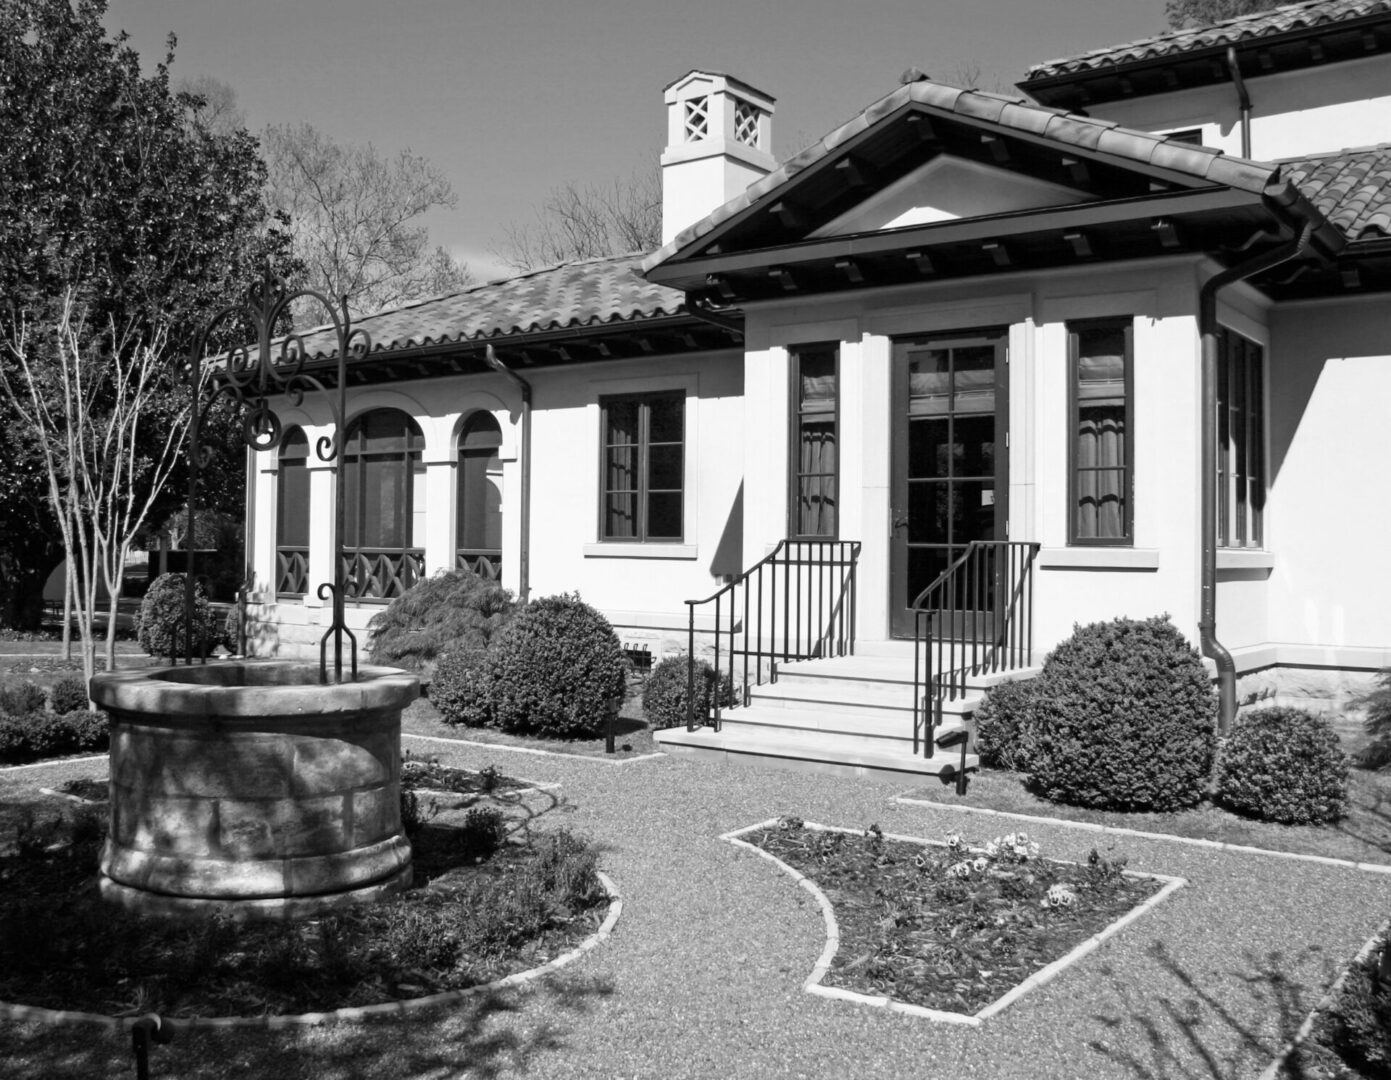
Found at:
(565, 297)
(1351, 188)
(1228, 32)
(1018, 114)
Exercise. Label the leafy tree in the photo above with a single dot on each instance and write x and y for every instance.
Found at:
(1189, 14)
(124, 221)
(353, 215)
(577, 223)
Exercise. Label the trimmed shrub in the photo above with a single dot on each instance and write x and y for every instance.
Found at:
(1003, 725)
(162, 619)
(14, 745)
(1377, 754)
(1124, 718)
(555, 670)
(450, 612)
(21, 698)
(67, 694)
(91, 729)
(664, 696)
(1284, 765)
(1357, 1025)
(459, 689)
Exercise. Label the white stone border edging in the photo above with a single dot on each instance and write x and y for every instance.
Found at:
(533, 750)
(54, 761)
(1038, 978)
(71, 797)
(1120, 830)
(1273, 1069)
(363, 1012)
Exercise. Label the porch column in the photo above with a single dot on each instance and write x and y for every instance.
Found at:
(321, 523)
(262, 535)
(441, 480)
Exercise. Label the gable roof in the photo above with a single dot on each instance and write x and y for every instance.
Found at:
(1351, 188)
(1241, 30)
(1182, 162)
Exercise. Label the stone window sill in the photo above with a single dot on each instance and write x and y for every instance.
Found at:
(1099, 558)
(641, 551)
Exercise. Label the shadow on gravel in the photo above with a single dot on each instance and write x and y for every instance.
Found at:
(1201, 1035)
(481, 1038)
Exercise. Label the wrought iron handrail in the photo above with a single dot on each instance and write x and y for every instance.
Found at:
(817, 616)
(984, 605)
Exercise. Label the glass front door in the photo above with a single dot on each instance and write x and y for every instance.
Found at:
(950, 416)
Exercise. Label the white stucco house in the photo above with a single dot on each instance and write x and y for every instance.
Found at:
(1118, 346)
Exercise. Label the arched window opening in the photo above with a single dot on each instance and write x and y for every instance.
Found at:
(478, 534)
(292, 516)
(384, 505)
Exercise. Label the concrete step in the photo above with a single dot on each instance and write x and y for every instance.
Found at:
(890, 671)
(852, 698)
(838, 728)
(804, 752)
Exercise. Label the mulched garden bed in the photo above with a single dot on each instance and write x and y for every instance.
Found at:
(949, 926)
(428, 774)
(1351, 1032)
(482, 908)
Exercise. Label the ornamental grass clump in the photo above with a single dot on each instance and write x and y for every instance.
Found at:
(556, 670)
(451, 612)
(1124, 718)
(1284, 765)
(665, 696)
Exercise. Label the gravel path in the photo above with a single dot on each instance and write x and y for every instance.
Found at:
(702, 976)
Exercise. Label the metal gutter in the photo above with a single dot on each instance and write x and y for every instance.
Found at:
(1292, 210)
(524, 554)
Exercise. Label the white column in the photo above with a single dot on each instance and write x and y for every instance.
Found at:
(440, 511)
(321, 524)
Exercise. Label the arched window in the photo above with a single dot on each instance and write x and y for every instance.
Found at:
(478, 535)
(292, 516)
(384, 505)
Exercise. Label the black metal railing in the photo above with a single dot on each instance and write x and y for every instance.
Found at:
(381, 573)
(976, 618)
(798, 603)
(485, 562)
(291, 571)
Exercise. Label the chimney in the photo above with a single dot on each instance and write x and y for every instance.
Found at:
(719, 141)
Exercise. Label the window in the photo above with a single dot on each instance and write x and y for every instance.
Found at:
(478, 533)
(292, 516)
(384, 504)
(1191, 136)
(643, 467)
(1240, 441)
(1101, 402)
(813, 463)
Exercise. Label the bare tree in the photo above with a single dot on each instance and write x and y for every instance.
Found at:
(588, 222)
(90, 401)
(1187, 14)
(354, 216)
(216, 107)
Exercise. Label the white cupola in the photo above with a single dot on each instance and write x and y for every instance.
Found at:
(719, 141)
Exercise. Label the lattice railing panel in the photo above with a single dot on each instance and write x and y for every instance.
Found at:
(292, 571)
(370, 574)
(486, 564)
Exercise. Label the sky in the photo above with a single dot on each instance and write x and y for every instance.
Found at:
(512, 99)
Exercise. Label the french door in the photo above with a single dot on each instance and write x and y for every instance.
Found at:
(949, 466)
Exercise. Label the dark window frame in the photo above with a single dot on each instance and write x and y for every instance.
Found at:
(1240, 454)
(794, 452)
(642, 467)
(1074, 356)
(354, 457)
(293, 454)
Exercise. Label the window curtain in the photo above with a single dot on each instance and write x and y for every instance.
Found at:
(1101, 451)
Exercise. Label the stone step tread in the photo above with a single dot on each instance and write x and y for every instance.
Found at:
(827, 722)
(851, 697)
(813, 751)
(886, 670)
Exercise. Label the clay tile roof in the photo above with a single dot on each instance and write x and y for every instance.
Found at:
(570, 296)
(1281, 20)
(1007, 113)
(1351, 188)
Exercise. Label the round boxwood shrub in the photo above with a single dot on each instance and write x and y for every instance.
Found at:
(67, 694)
(161, 631)
(459, 688)
(664, 696)
(21, 698)
(1003, 725)
(556, 670)
(1124, 719)
(1284, 765)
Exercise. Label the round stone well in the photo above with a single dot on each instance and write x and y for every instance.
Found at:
(249, 788)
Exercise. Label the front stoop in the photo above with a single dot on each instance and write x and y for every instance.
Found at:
(850, 715)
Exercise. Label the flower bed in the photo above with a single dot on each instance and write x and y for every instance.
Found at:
(478, 912)
(427, 774)
(950, 927)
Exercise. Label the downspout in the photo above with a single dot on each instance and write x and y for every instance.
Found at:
(1243, 99)
(1285, 203)
(524, 555)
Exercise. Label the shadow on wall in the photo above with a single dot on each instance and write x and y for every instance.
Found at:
(727, 560)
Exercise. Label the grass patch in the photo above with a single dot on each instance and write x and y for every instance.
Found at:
(466, 922)
(947, 926)
(1363, 836)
